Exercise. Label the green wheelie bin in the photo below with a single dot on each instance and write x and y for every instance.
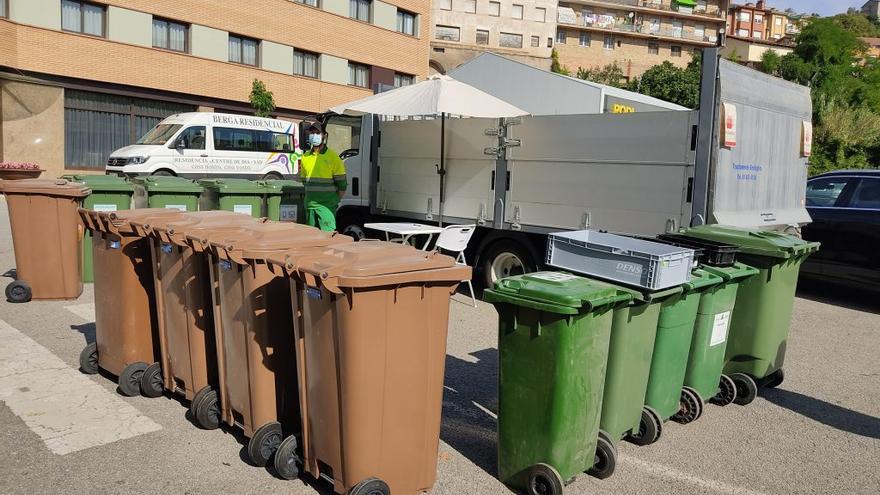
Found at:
(761, 319)
(633, 333)
(109, 193)
(235, 195)
(667, 397)
(553, 336)
(285, 200)
(159, 191)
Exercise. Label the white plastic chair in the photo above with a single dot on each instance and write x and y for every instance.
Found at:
(455, 239)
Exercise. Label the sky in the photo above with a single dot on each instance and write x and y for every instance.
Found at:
(823, 7)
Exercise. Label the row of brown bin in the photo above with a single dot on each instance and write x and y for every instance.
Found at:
(328, 354)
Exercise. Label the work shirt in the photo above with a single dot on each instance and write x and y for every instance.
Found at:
(323, 175)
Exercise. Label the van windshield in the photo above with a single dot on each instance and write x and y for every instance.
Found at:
(160, 134)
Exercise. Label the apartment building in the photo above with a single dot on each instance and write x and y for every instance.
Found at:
(871, 8)
(636, 34)
(519, 29)
(759, 22)
(79, 79)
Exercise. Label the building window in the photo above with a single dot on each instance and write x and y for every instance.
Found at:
(536, 41)
(778, 21)
(743, 32)
(655, 25)
(406, 22)
(482, 37)
(676, 51)
(305, 63)
(470, 6)
(82, 17)
(758, 34)
(540, 14)
(243, 50)
(699, 31)
(358, 75)
(445, 4)
(96, 125)
(584, 39)
(401, 80)
(549, 42)
(495, 8)
(447, 33)
(608, 44)
(702, 6)
(560, 36)
(510, 40)
(313, 3)
(759, 19)
(745, 16)
(4, 8)
(653, 48)
(517, 12)
(170, 35)
(359, 9)
(677, 29)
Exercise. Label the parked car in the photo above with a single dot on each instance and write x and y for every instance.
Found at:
(845, 207)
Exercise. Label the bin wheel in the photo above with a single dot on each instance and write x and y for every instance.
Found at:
(775, 379)
(726, 392)
(152, 384)
(205, 409)
(606, 458)
(746, 388)
(88, 359)
(690, 406)
(650, 428)
(18, 291)
(264, 443)
(287, 461)
(371, 486)
(130, 379)
(544, 480)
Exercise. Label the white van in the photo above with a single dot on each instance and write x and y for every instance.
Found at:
(202, 144)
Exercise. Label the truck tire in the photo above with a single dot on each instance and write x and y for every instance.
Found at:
(163, 173)
(504, 258)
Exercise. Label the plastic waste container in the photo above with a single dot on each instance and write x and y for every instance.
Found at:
(46, 238)
(760, 322)
(125, 313)
(184, 308)
(109, 193)
(374, 346)
(633, 332)
(286, 201)
(236, 195)
(553, 336)
(157, 191)
(257, 376)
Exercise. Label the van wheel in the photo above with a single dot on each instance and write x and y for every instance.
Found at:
(163, 173)
(505, 258)
(272, 176)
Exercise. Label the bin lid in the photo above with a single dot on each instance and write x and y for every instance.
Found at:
(737, 271)
(177, 227)
(754, 241)
(557, 292)
(164, 184)
(701, 279)
(46, 187)
(375, 263)
(120, 222)
(233, 186)
(102, 183)
(284, 186)
(258, 241)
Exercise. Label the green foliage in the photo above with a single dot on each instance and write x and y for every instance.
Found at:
(795, 69)
(671, 83)
(770, 62)
(262, 100)
(611, 75)
(734, 56)
(555, 66)
(857, 24)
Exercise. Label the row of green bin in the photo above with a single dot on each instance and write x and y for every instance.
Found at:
(280, 200)
(584, 363)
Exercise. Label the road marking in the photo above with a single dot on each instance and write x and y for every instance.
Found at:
(84, 311)
(68, 410)
(674, 474)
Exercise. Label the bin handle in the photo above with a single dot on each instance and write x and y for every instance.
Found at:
(86, 218)
(228, 249)
(80, 231)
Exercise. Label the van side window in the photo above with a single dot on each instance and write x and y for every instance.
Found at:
(230, 139)
(282, 142)
(193, 138)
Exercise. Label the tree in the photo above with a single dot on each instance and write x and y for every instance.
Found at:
(262, 100)
(611, 75)
(857, 24)
(670, 83)
(770, 62)
(795, 69)
(555, 66)
(849, 137)
(734, 56)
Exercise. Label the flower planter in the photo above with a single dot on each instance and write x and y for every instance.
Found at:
(17, 173)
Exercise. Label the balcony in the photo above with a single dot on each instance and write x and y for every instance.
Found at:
(610, 24)
(656, 6)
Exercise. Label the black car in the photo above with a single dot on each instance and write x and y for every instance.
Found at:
(845, 207)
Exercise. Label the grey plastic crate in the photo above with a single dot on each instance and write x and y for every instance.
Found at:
(629, 261)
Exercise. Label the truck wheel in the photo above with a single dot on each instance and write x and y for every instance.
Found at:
(272, 176)
(163, 173)
(505, 258)
(354, 231)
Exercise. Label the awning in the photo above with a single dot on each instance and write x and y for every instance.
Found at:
(687, 3)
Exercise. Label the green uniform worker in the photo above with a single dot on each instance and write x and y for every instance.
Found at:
(323, 174)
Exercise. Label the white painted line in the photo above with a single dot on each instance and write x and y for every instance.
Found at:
(84, 311)
(68, 410)
(674, 474)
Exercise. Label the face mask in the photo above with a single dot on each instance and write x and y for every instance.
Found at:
(315, 139)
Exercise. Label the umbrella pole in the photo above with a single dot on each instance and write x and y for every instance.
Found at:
(442, 163)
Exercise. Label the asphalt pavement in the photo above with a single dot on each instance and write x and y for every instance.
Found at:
(64, 432)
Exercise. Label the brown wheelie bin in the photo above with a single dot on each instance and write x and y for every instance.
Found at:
(125, 311)
(372, 350)
(184, 309)
(256, 359)
(46, 238)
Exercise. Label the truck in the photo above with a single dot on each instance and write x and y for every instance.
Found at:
(740, 159)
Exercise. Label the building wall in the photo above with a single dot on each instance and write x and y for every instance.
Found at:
(749, 51)
(631, 55)
(871, 8)
(33, 125)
